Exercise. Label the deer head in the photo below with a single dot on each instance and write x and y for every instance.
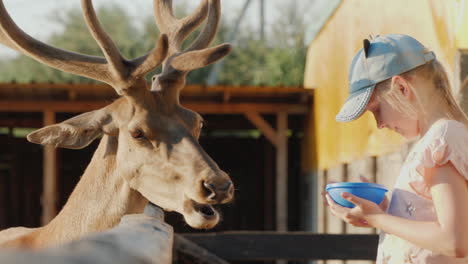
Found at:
(154, 137)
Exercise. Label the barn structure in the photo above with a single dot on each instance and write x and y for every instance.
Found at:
(254, 133)
(347, 150)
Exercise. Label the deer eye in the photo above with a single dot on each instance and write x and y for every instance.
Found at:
(137, 134)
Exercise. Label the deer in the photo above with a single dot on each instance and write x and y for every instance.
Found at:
(149, 149)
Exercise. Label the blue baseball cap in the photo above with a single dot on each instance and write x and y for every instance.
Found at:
(381, 58)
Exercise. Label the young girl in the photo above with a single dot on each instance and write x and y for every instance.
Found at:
(407, 90)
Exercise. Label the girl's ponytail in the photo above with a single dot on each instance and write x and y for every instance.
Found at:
(442, 85)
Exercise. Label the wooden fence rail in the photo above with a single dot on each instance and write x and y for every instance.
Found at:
(147, 239)
(256, 246)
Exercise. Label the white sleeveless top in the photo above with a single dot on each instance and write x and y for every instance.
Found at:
(446, 140)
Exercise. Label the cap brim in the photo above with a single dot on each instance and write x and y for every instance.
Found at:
(355, 105)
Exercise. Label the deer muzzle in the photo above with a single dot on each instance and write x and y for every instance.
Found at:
(218, 191)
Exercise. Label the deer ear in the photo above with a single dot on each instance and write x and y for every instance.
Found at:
(200, 58)
(74, 133)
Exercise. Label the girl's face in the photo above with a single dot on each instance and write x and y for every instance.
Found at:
(387, 116)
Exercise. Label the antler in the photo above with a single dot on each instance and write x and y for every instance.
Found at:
(113, 69)
(178, 63)
(178, 29)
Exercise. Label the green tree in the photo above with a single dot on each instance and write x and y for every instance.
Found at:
(279, 59)
(76, 37)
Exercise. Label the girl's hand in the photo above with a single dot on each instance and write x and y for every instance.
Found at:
(324, 193)
(384, 204)
(361, 215)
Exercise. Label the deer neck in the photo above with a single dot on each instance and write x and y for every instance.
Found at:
(99, 200)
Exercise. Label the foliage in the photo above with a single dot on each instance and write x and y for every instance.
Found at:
(76, 37)
(257, 62)
(279, 59)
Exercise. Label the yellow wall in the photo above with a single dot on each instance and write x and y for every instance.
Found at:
(437, 24)
(462, 24)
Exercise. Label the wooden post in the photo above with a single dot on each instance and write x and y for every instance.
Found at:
(183, 246)
(366, 168)
(49, 192)
(279, 139)
(263, 126)
(321, 221)
(334, 224)
(282, 173)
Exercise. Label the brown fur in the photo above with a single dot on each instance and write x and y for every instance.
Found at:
(149, 148)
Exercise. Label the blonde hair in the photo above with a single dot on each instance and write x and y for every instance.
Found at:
(441, 88)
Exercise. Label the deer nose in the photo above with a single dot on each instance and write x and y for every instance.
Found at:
(218, 192)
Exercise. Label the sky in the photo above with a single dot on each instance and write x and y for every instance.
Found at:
(34, 16)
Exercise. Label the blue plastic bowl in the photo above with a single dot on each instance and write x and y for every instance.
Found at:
(370, 191)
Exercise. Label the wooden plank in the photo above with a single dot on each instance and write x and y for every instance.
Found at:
(334, 224)
(311, 202)
(321, 213)
(49, 193)
(321, 208)
(5, 173)
(246, 89)
(388, 169)
(269, 181)
(364, 167)
(257, 246)
(15, 181)
(184, 248)
(188, 89)
(56, 106)
(263, 126)
(282, 173)
(20, 122)
(310, 192)
(201, 107)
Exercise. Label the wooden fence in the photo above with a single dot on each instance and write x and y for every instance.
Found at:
(145, 239)
(297, 246)
(383, 170)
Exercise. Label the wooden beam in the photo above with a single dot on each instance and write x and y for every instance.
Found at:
(263, 126)
(204, 108)
(56, 106)
(282, 173)
(20, 122)
(279, 139)
(74, 91)
(188, 89)
(197, 254)
(267, 246)
(49, 193)
(240, 108)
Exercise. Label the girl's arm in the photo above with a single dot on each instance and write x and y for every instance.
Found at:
(448, 236)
